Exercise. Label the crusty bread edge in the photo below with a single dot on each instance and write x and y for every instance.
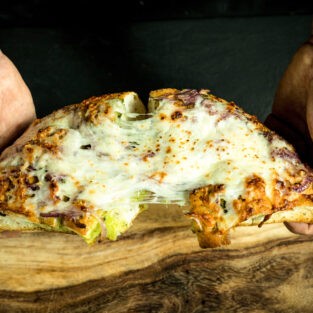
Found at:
(16, 222)
(298, 214)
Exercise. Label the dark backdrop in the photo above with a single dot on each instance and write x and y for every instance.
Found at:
(68, 51)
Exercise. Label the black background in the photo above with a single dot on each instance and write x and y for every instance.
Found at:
(70, 50)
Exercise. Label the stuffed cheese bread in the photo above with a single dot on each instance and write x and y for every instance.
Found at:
(91, 168)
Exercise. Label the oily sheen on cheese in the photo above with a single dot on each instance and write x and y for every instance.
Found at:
(91, 168)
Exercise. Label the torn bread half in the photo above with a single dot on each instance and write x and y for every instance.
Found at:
(91, 168)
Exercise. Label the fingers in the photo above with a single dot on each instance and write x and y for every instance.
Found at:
(17, 109)
(293, 105)
(300, 228)
(291, 96)
(292, 113)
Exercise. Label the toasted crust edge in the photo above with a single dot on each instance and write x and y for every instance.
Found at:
(298, 214)
(17, 222)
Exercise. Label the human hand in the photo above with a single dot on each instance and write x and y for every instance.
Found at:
(292, 112)
(17, 109)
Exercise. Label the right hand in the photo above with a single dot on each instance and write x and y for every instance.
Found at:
(292, 112)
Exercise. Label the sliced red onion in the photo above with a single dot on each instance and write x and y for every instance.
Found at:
(67, 214)
(52, 214)
(187, 96)
(285, 154)
(305, 184)
(209, 106)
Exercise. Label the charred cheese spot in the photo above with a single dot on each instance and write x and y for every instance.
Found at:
(159, 176)
(254, 201)
(15, 190)
(176, 115)
(148, 155)
(54, 188)
(163, 117)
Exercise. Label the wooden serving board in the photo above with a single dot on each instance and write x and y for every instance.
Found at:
(157, 266)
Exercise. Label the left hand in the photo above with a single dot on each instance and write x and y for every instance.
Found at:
(17, 109)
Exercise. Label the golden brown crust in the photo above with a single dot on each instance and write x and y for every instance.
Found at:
(297, 214)
(253, 207)
(19, 186)
(14, 191)
(163, 92)
(254, 201)
(204, 215)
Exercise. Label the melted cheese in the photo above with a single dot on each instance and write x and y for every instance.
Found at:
(124, 163)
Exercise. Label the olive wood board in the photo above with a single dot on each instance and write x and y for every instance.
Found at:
(157, 266)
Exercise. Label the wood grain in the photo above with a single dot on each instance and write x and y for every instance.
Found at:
(157, 266)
